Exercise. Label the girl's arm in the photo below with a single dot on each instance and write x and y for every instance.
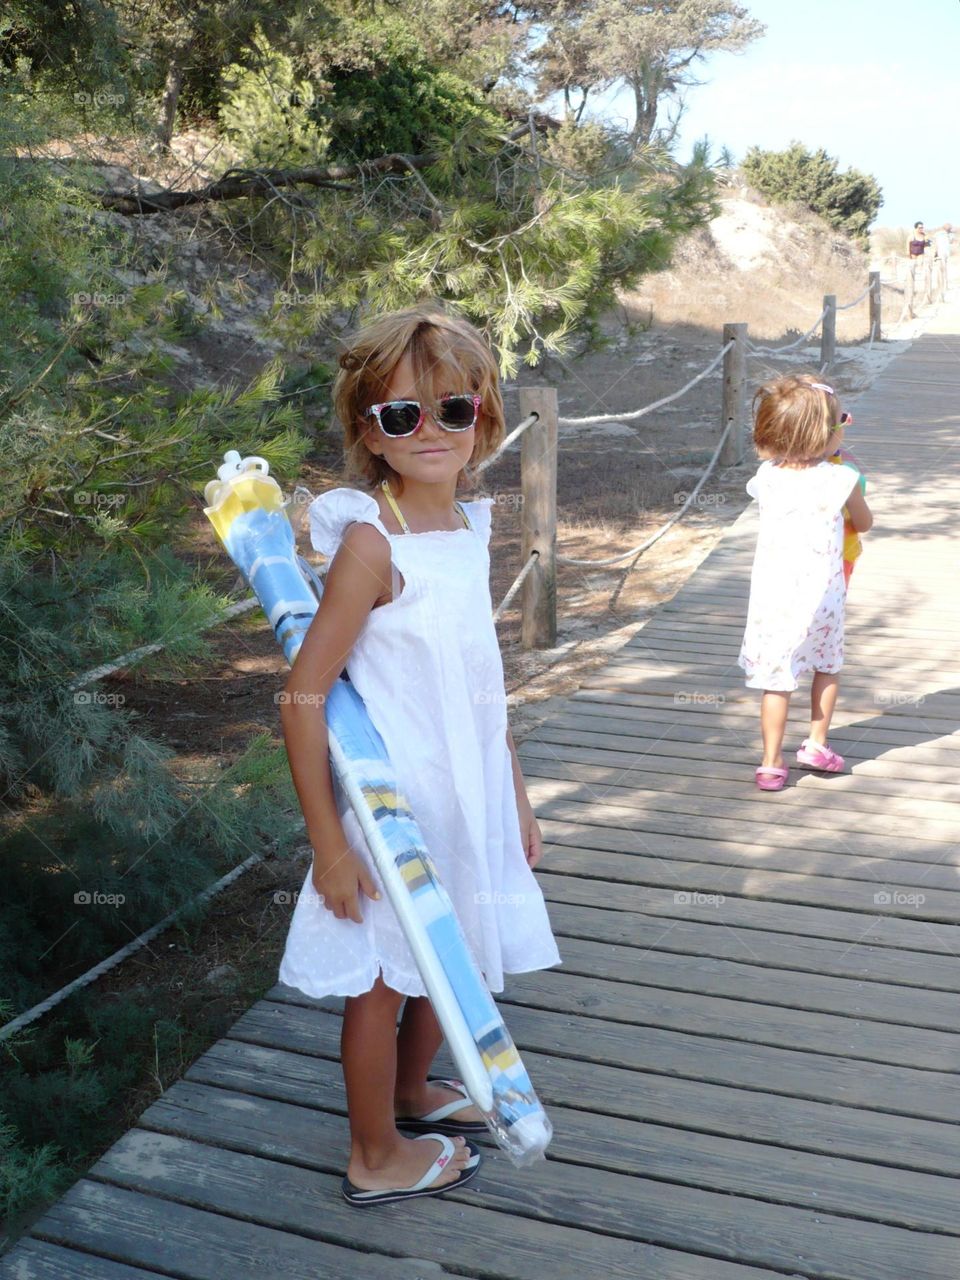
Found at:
(358, 576)
(529, 827)
(861, 517)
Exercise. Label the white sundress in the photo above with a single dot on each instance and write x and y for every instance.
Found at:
(797, 592)
(428, 667)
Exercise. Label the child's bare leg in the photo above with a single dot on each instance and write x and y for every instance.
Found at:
(418, 1040)
(823, 699)
(773, 723)
(380, 1157)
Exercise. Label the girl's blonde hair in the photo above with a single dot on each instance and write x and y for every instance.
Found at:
(794, 418)
(448, 356)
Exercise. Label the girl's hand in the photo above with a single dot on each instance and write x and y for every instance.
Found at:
(530, 832)
(340, 880)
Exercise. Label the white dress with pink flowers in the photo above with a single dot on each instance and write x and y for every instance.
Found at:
(797, 593)
(428, 667)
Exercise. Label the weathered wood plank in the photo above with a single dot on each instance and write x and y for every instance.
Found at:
(921, 937)
(191, 1244)
(682, 1052)
(684, 1155)
(737, 1228)
(304, 1150)
(799, 953)
(40, 1260)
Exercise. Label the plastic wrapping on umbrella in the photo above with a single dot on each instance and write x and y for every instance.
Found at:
(248, 511)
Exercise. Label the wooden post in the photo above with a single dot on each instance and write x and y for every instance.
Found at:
(828, 333)
(875, 297)
(733, 409)
(538, 485)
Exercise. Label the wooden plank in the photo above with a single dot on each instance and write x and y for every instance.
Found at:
(923, 937)
(191, 1244)
(826, 1105)
(40, 1260)
(762, 947)
(861, 786)
(639, 1005)
(231, 1181)
(814, 992)
(716, 1162)
(604, 737)
(915, 817)
(688, 879)
(611, 1204)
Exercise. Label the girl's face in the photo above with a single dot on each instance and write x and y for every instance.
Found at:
(431, 454)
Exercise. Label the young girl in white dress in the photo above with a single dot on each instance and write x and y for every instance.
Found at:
(406, 608)
(797, 591)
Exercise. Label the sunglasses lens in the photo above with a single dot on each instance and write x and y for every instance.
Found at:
(457, 412)
(400, 417)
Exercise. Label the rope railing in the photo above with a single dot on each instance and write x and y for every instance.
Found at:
(643, 546)
(845, 306)
(515, 434)
(775, 351)
(634, 414)
(516, 585)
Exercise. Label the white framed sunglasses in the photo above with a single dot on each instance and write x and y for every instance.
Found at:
(397, 418)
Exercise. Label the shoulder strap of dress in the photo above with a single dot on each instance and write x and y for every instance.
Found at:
(396, 510)
(399, 514)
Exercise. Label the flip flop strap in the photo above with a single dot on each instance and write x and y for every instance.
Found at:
(438, 1166)
(448, 1108)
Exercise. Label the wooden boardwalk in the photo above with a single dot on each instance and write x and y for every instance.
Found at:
(751, 1053)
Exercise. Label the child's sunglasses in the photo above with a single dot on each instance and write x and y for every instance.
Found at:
(846, 418)
(398, 418)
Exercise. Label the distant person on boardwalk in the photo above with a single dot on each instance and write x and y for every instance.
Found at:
(406, 609)
(917, 246)
(942, 245)
(797, 589)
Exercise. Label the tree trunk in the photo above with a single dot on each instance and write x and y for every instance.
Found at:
(171, 96)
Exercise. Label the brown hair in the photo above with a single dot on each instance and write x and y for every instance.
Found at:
(447, 354)
(794, 418)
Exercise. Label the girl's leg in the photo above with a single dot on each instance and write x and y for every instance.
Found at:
(823, 699)
(773, 723)
(380, 1157)
(418, 1040)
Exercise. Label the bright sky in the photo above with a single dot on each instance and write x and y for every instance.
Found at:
(876, 84)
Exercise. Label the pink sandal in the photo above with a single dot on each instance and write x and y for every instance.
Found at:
(814, 756)
(771, 777)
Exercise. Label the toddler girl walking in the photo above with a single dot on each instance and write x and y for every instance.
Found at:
(406, 609)
(797, 590)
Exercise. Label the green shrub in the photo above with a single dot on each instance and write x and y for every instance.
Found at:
(847, 200)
